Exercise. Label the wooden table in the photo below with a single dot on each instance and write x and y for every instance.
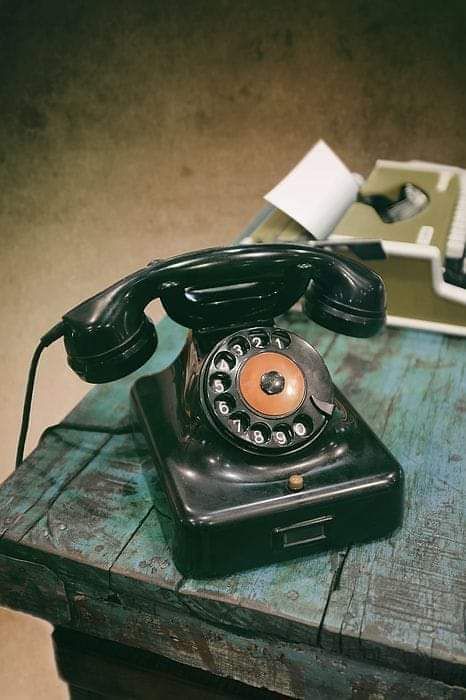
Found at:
(81, 546)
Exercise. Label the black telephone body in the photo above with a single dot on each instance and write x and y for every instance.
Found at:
(258, 456)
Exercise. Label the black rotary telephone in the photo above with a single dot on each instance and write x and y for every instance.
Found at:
(259, 456)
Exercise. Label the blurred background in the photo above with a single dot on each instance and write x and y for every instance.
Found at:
(130, 131)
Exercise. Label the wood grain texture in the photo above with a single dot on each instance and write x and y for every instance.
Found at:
(115, 670)
(296, 670)
(402, 601)
(34, 589)
(80, 507)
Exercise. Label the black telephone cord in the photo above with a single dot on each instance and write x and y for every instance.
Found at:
(54, 334)
(27, 403)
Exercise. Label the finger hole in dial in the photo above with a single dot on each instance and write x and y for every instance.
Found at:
(219, 382)
(259, 340)
(224, 405)
(260, 434)
(239, 422)
(224, 361)
(302, 426)
(239, 346)
(282, 435)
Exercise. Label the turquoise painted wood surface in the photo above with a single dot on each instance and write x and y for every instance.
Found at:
(81, 544)
(403, 600)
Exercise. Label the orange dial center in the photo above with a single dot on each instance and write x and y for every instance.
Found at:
(272, 384)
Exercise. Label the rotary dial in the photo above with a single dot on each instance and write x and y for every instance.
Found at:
(267, 389)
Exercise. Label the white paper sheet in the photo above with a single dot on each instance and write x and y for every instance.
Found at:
(317, 192)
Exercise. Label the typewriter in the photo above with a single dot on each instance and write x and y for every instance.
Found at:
(418, 212)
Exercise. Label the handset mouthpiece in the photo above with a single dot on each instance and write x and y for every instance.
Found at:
(109, 335)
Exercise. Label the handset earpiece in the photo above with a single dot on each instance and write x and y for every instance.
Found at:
(346, 297)
(109, 335)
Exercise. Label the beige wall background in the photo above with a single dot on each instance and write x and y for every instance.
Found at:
(130, 131)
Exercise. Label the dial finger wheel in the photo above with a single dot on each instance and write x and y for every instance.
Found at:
(267, 389)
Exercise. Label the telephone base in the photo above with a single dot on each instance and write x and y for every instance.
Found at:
(223, 509)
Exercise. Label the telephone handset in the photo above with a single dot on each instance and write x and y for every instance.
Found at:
(259, 456)
(109, 336)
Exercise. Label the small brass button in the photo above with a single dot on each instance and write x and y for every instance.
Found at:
(295, 482)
